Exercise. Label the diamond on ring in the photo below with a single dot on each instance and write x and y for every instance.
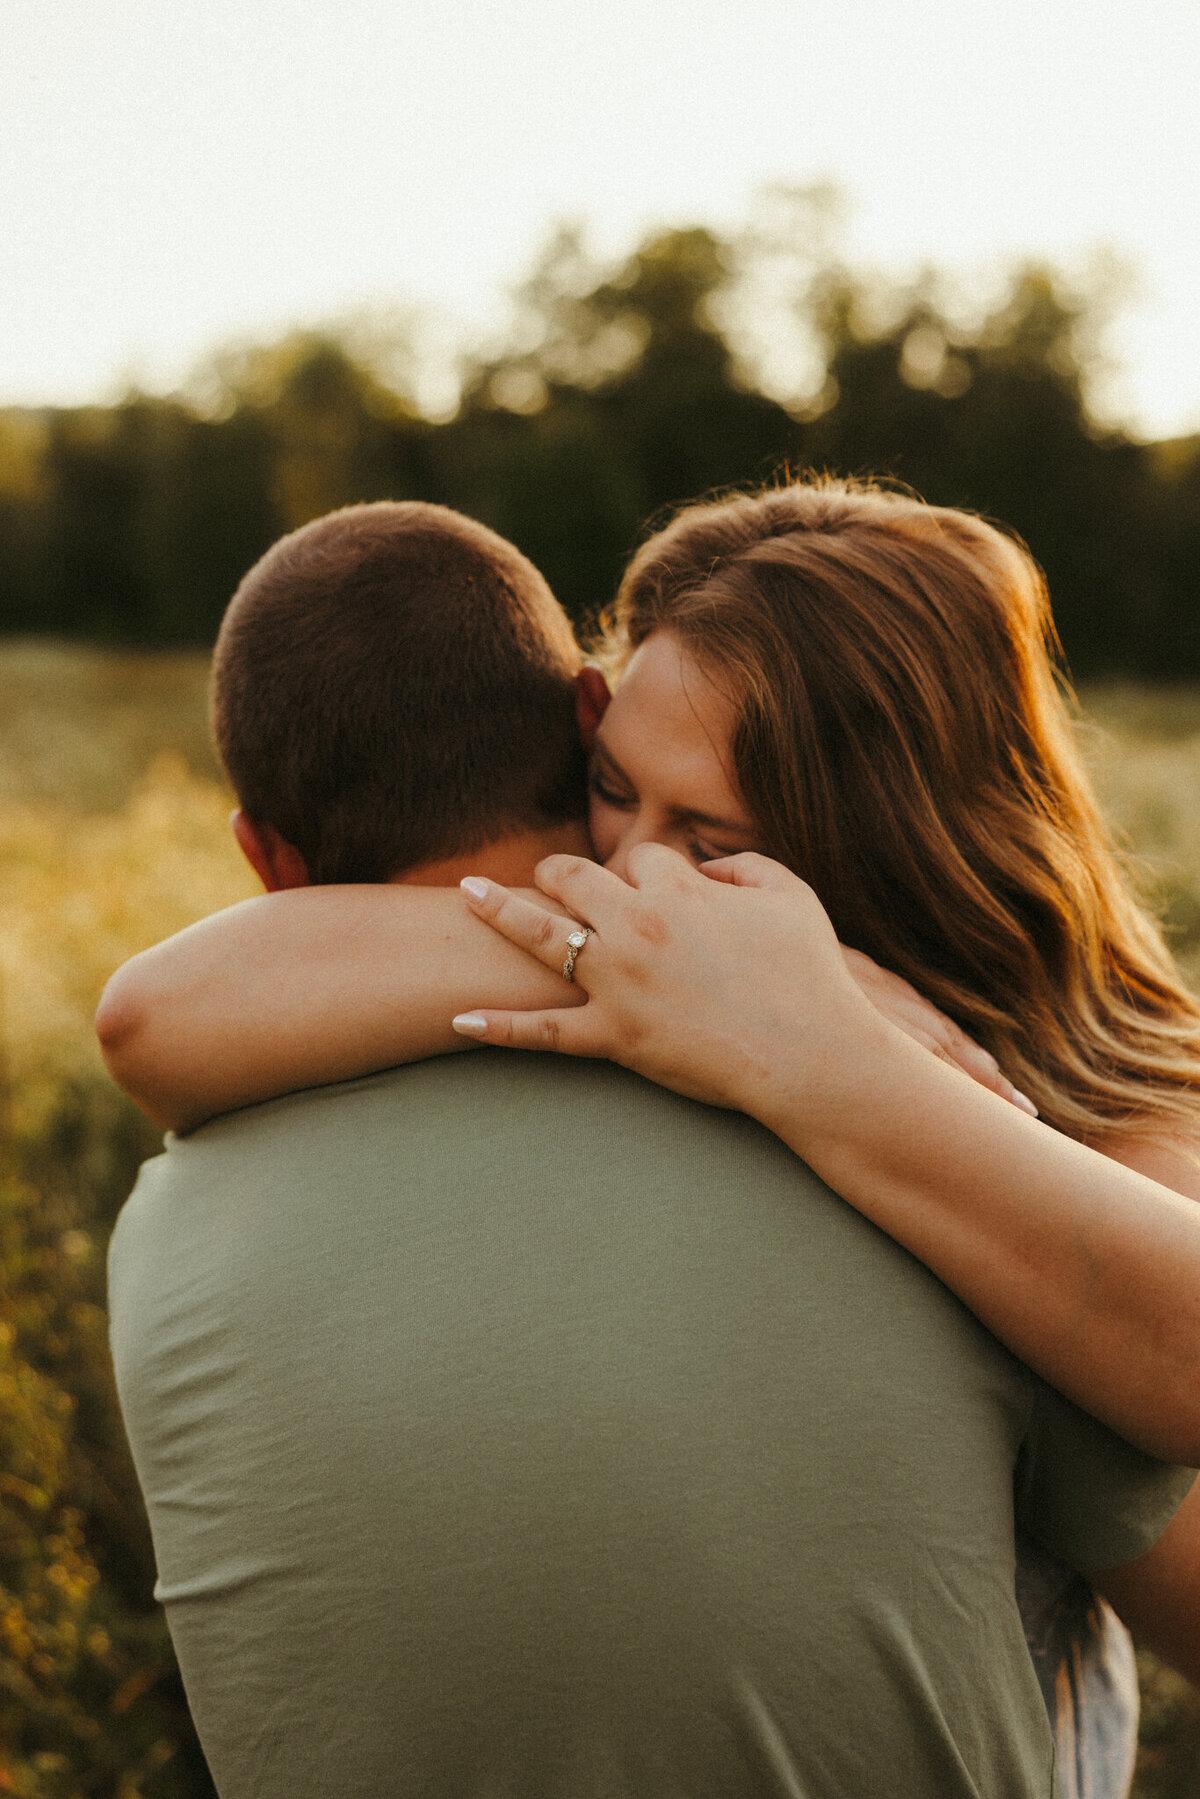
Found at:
(575, 943)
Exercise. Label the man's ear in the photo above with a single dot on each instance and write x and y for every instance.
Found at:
(591, 703)
(272, 858)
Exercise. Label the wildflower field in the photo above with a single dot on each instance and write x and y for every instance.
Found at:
(113, 833)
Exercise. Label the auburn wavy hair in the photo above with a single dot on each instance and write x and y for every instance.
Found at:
(905, 744)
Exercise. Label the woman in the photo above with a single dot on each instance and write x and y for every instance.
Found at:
(859, 686)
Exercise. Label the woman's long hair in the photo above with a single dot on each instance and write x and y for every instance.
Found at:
(903, 744)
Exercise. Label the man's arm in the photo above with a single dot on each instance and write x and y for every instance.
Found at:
(301, 988)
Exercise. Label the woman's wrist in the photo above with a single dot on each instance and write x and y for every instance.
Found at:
(821, 1082)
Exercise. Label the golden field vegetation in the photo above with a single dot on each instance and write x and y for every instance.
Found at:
(113, 833)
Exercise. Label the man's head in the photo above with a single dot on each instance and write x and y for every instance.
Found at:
(393, 687)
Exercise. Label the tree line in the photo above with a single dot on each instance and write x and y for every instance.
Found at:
(619, 393)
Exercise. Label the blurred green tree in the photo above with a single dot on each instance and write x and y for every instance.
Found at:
(995, 419)
(617, 392)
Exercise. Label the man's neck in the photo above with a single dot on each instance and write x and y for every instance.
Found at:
(510, 860)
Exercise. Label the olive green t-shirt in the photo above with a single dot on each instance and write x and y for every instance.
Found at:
(509, 1427)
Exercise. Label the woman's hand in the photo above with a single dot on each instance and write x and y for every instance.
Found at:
(724, 988)
(667, 982)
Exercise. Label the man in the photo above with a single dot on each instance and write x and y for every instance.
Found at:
(506, 1424)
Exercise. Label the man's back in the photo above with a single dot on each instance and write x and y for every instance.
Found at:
(508, 1426)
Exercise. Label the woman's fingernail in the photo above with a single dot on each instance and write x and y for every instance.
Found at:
(470, 1024)
(475, 885)
(1023, 1100)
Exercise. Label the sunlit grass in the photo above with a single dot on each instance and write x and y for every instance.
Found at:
(1143, 745)
(82, 891)
(81, 727)
(113, 833)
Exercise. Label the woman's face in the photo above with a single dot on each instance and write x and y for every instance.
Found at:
(661, 763)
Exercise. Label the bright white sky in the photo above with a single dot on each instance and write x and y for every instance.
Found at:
(177, 173)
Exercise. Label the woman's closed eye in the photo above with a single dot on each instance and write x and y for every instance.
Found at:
(609, 796)
(701, 850)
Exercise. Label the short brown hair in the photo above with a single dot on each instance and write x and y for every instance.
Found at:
(392, 685)
(903, 744)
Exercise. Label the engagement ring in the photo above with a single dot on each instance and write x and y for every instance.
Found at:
(575, 943)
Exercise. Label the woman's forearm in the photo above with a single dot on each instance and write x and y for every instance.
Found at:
(301, 988)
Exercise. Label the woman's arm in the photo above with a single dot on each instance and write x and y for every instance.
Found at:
(732, 990)
(300, 988)
(318, 984)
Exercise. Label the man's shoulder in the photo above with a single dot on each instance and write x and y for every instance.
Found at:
(503, 1147)
(494, 1115)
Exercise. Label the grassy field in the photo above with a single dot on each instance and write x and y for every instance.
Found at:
(1143, 746)
(113, 833)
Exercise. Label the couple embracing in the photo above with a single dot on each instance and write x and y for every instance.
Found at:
(761, 1405)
